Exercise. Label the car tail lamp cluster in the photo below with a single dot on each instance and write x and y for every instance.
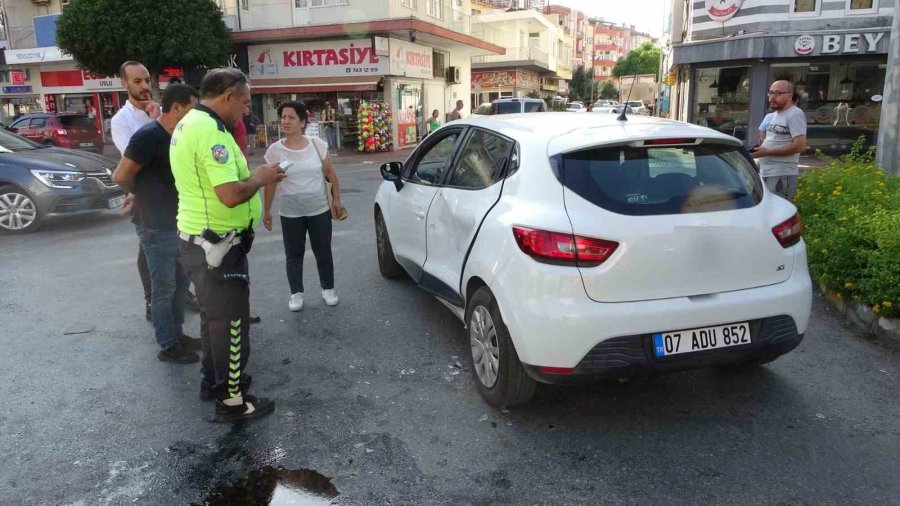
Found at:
(556, 247)
(788, 232)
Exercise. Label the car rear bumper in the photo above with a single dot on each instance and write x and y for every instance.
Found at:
(629, 356)
(553, 323)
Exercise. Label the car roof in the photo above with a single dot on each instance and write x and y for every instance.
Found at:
(564, 132)
(518, 99)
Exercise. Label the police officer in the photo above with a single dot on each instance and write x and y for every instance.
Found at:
(218, 206)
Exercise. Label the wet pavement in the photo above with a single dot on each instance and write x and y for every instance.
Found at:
(376, 403)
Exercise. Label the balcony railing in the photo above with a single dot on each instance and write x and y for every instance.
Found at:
(516, 54)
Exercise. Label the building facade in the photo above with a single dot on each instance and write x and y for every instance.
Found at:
(722, 56)
(36, 75)
(400, 58)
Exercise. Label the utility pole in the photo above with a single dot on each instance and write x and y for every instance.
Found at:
(888, 151)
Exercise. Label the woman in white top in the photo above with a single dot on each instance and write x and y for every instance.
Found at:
(302, 203)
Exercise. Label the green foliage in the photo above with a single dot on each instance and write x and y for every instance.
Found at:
(533, 94)
(102, 34)
(851, 216)
(608, 91)
(580, 85)
(642, 60)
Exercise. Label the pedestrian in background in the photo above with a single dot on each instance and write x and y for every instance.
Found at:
(302, 202)
(144, 170)
(456, 113)
(137, 111)
(329, 118)
(218, 206)
(779, 153)
(433, 123)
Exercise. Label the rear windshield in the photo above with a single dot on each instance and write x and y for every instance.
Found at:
(662, 180)
(507, 107)
(76, 121)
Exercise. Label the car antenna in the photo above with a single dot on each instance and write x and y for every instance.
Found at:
(623, 116)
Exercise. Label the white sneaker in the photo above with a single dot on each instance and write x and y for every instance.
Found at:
(331, 298)
(296, 303)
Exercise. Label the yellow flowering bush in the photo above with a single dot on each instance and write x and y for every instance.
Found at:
(850, 211)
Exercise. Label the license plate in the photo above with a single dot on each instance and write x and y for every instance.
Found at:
(701, 339)
(85, 144)
(116, 202)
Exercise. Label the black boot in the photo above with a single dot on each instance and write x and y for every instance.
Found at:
(190, 343)
(252, 408)
(178, 356)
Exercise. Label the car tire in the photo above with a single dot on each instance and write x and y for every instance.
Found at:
(387, 262)
(49, 143)
(19, 213)
(493, 355)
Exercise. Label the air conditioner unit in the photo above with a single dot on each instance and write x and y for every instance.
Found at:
(453, 75)
(41, 2)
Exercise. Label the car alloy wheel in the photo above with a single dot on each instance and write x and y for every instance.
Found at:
(485, 348)
(17, 211)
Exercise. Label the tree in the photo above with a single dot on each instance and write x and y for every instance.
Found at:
(580, 85)
(102, 34)
(608, 90)
(642, 60)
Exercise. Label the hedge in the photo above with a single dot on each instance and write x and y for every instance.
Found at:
(850, 210)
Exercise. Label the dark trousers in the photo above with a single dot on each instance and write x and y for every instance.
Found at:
(168, 283)
(224, 325)
(143, 271)
(294, 232)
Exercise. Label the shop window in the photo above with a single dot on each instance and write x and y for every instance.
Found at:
(861, 6)
(439, 67)
(722, 100)
(841, 101)
(808, 7)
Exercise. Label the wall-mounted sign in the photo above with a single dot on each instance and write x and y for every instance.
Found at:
(411, 60)
(853, 43)
(36, 55)
(805, 44)
(17, 77)
(332, 58)
(94, 81)
(722, 10)
(17, 89)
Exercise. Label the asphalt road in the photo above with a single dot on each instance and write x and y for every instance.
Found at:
(371, 398)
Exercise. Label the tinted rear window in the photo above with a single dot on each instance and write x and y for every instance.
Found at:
(662, 180)
(76, 122)
(507, 107)
(534, 106)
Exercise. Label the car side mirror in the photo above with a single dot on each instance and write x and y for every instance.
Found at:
(392, 171)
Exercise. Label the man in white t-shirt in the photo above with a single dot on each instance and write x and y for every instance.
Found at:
(138, 110)
(779, 153)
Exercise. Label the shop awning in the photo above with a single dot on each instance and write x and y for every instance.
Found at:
(315, 84)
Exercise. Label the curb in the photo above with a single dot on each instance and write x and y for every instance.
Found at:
(862, 316)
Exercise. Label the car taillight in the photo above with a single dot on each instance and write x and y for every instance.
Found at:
(788, 233)
(62, 132)
(563, 248)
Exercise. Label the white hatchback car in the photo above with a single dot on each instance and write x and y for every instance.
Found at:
(581, 247)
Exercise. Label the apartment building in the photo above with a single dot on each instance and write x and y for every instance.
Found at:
(409, 57)
(719, 59)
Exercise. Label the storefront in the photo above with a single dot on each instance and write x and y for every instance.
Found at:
(381, 91)
(838, 79)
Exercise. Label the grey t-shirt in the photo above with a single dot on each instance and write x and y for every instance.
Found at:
(780, 132)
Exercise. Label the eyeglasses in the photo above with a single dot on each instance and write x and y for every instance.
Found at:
(778, 93)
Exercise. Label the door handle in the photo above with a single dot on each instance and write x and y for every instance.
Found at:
(420, 215)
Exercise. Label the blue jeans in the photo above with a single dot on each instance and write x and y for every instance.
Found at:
(331, 136)
(168, 285)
